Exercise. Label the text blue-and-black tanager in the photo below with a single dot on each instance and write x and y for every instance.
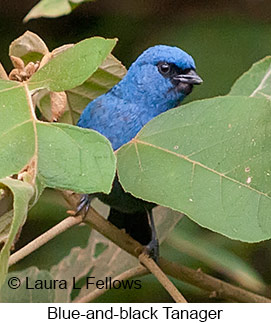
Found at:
(160, 78)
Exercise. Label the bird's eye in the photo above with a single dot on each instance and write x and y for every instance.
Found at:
(164, 68)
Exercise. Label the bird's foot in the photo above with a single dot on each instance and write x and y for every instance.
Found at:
(152, 249)
(84, 204)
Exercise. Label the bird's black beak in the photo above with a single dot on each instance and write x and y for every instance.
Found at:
(191, 77)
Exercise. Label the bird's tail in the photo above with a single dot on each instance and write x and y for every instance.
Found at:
(135, 224)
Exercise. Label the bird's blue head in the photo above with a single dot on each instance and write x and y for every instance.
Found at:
(160, 78)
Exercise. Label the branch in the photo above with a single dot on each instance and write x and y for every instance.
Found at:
(216, 286)
(133, 272)
(193, 249)
(183, 273)
(124, 241)
(162, 278)
(44, 238)
(151, 266)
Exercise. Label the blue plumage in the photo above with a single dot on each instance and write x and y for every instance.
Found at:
(157, 81)
(142, 94)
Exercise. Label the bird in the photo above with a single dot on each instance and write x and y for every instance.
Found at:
(158, 80)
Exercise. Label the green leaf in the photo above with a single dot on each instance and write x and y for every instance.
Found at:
(73, 66)
(256, 82)
(22, 193)
(49, 8)
(52, 8)
(210, 160)
(17, 135)
(56, 155)
(74, 158)
(110, 72)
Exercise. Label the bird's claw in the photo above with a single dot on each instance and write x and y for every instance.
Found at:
(84, 204)
(152, 249)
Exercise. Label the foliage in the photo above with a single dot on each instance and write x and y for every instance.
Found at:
(100, 257)
(208, 159)
(12, 221)
(216, 153)
(43, 154)
(53, 8)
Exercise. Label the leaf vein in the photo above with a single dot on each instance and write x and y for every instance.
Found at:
(262, 83)
(137, 141)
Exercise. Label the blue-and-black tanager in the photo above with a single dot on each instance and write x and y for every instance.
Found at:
(160, 78)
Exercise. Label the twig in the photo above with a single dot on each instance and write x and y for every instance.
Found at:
(209, 283)
(44, 238)
(107, 229)
(124, 241)
(133, 247)
(191, 276)
(198, 251)
(133, 272)
(162, 278)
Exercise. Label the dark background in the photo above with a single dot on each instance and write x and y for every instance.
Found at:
(224, 37)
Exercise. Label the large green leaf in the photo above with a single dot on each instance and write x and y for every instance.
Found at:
(73, 66)
(210, 160)
(74, 158)
(22, 193)
(58, 155)
(17, 133)
(256, 82)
